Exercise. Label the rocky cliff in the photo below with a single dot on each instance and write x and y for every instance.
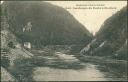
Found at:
(111, 40)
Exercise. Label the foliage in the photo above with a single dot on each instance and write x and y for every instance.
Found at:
(50, 24)
(11, 45)
(5, 62)
(22, 69)
(114, 33)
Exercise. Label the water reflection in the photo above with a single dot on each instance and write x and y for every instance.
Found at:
(64, 70)
(89, 73)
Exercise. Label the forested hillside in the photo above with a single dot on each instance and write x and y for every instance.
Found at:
(111, 40)
(42, 23)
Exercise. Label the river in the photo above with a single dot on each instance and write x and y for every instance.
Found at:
(88, 72)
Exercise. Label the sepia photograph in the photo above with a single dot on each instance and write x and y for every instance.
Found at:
(63, 40)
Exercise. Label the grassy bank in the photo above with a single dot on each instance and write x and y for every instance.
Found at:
(22, 69)
(119, 66)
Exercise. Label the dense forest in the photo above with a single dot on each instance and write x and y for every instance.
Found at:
(44, 24)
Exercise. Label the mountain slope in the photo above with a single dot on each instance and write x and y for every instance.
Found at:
(111, 40)
(48, 24)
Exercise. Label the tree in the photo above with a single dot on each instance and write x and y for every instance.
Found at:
(11, 45)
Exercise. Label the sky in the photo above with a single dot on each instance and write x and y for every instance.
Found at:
(92, 19)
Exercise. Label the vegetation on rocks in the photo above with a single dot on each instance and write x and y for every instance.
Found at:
(111, 39)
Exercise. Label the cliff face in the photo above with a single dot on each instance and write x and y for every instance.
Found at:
(43, 23)
(10, 53)
(6, 35)
(111, 40)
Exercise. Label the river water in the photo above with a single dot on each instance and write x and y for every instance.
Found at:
(88, 72)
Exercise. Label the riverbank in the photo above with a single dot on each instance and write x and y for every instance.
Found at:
(19, 65)
(98, 59)
(55, 60)
(51, 59)
(109, 64)
(58, 62)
